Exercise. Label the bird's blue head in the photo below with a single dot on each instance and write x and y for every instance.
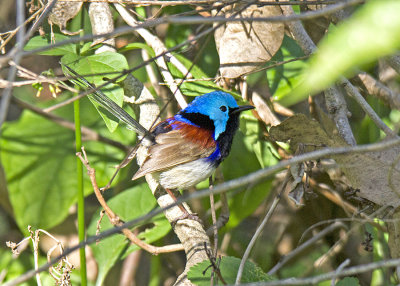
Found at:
(215, 107)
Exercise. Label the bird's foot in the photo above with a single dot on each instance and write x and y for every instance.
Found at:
(187, 215)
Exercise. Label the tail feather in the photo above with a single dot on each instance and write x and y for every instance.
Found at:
(109, 105)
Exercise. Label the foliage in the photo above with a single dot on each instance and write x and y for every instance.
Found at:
(38, 180)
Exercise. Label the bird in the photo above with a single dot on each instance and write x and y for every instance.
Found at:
(186, 148)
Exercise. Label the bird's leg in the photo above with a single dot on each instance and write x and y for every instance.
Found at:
(186, 214)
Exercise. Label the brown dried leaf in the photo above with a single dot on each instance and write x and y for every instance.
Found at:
(376, 174)
(62, 12)
(243, 46)
(316, 27)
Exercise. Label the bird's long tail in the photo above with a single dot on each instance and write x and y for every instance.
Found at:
(108, 104)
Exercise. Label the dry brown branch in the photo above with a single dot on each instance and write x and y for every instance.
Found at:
(116, 221)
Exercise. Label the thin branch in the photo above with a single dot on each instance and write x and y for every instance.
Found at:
(339, 269)
(334, 99)
(10, 34)
(201, 2)
(90, 134)
(236, 183)
(378, 89)
(158, 46)
(260, 228)
(6, 96)
(192, 20)
(116, 221)
(305, 245)
(355, 94)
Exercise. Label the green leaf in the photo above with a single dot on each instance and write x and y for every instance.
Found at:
(39, 42)
(136, 46)
(128, 205)
(348, 281)
(372, 32)
(229, 267)
(284, 78)
(38, 158)
(95, 69)
(193, 87)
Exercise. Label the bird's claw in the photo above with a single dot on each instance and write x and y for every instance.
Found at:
(187, 215)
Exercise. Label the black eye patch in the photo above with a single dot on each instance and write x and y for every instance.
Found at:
(223, 108)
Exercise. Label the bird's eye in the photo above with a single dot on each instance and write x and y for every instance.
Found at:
(223, 108)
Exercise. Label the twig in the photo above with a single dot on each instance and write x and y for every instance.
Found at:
(378, 89)
(335, 249)
(353, 92)
(303, 246)
(214, 219)
(90, 134)
(129, 269)
(213, 261)
(339, 269)
(11, 34)
(193, 20)
(260, 228)
(236, 183)
(116, 221)
(334, 99)
(158, 48)
(200, 2)
(6, 96)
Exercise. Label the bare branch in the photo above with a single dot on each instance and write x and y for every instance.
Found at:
(378, 89)
(303, 246)
(159, 49)
(102, 22)
(87, 132)
(236, 183)
(261, 227)
(116, 221)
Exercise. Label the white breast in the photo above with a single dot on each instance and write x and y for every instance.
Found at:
(186, 175)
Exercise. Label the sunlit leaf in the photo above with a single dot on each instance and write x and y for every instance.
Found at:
(128, 205)
(40, 42)
(200, 274)
(96, 69)
(372, 32)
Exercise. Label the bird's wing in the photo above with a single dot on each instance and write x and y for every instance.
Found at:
(176, 147)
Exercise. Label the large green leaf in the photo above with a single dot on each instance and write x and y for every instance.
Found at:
(39, 161)
(40, 42)
(95, 69)
(348, 281)
(372, 32)
(128, 205)
(200, 274)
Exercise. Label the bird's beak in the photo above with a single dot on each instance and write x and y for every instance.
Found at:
(241, 108)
